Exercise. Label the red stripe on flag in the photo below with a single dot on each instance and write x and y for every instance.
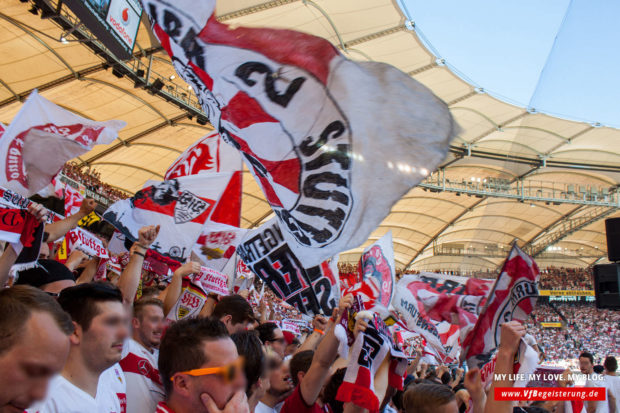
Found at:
(243, 111)
(284, 46)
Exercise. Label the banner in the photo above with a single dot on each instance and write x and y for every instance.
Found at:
(310, 290)
(190, 302)
(377, 263)
(180, 206)
(41, 138)
(89, 219)
(319, 132)
(217, 245)
(513, 298)
(572, 293)
(211, 281)
(86, 242)
(551, 325)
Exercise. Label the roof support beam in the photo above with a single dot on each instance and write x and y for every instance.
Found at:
(126, 165)
(131, 139)
(254, 9)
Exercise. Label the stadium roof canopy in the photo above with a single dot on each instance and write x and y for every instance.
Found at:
(512, 174)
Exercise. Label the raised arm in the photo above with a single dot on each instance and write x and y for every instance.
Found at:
(130, 277)
(173, 291)
(58, 229)
(325, 355)
(510, 338)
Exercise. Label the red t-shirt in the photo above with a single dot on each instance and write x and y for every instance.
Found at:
(296, 404)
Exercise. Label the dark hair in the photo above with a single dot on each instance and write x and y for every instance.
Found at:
(80, 301)
(598, 369)
(47, 271)
(266, 331)
(426, 398)
(150, 291)
(138, 306)
(182, 346)
(17, 305)
(446, 377)
(300, 362)
(611, 364)
(587, 355)
(249, 346)
(535, 409)
(236, 306)
(331, 390)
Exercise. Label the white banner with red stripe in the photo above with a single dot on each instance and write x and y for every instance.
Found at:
(41, 138)
(212, 281)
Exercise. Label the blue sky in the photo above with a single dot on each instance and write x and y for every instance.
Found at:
(561, 57)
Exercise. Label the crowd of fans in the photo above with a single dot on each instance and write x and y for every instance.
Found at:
(583, 326)
(91, 179)
(71, 344)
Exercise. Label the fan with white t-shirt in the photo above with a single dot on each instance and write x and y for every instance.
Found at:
(64, 397)
(143, 379)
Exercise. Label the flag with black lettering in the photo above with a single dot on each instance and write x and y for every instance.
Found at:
(181, 206)
(513, 297)
(311, 290)
(41, 138)
(441, 308)
(333, 143)
(210, 154)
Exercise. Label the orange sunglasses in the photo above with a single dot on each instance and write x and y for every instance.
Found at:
(228, 372)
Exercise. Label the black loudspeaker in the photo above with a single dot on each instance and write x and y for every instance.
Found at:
(612, 230)
(607, 285)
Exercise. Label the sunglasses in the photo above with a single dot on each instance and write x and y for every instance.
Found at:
(227, 373)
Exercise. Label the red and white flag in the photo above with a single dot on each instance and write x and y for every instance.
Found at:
(217, 245)
(320, 133)
(376, 268)
(41, 138)
(211, 281)
(513, 297)
(311, 290)
(73, 200)
(210, 154)
(180, 206)
(441, 308)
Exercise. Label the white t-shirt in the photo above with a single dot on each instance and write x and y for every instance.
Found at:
(64, 397)
(613, 386)
(144, 387)
(263, 408)
(601, 406)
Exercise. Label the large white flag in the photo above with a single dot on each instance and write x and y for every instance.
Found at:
(41, 138)
(180, 206)
(333, 143)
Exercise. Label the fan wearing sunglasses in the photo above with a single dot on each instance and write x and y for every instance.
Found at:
(201, 369)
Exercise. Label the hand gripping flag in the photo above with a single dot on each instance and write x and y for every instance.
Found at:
(41, 138)
(333, 143)
(180, 206)
(310, 290)
(513, 297)
(210, 155)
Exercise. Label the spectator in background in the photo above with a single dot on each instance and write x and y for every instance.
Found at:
(235, 312)
(250, 348)
(34, 345)
(429, 398)
(201, 369)
(280, 385)
(272, 338)
(90, 380)
(613, 384)
(140, 355)
(50, 276)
